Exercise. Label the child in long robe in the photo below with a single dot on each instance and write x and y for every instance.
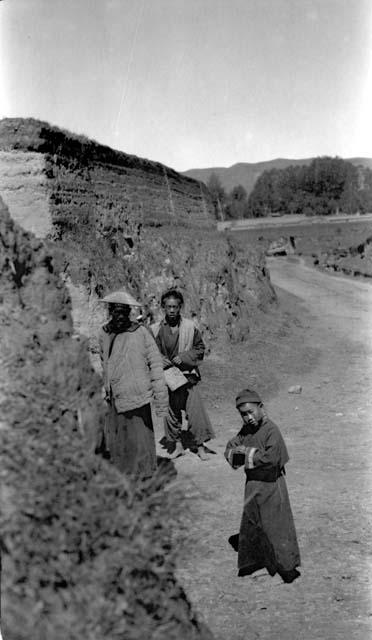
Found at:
(267, 536)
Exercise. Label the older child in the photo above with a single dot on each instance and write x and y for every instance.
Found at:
(267, 537)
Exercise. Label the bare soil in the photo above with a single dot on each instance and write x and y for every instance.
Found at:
(327, 350)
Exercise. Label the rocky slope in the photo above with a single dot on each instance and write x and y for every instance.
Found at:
(120, 221)
(107, 224)
(85, 554)
(224, 282)
(54, 181)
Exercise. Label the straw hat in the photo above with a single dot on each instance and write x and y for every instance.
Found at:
(121, 297)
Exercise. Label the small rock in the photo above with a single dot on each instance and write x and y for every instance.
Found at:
(339, 414)
(296, 388)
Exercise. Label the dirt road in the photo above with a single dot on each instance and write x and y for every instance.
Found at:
(328, 430)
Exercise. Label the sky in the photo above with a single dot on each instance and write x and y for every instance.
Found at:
(194, 83)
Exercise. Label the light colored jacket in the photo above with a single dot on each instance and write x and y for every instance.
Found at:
(133, 373)
(186, 333)
(190, 346)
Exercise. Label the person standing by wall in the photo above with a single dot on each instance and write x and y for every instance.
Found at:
(133, 377)
(181, 346)
(267, 536)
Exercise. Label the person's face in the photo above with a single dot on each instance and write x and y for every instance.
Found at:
(172, 308)
(118, 312)
(251, 413)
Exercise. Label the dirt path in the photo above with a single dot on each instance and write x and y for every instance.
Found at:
(329, 435)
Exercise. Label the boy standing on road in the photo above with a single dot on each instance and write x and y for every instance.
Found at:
(267, 536)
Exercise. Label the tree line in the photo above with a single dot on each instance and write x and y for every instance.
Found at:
(324, 187)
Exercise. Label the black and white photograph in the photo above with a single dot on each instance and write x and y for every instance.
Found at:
(186, 319)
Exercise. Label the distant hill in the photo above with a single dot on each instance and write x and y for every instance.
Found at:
(246, 173)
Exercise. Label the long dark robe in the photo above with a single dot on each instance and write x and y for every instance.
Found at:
(267, 536)
(130, 440)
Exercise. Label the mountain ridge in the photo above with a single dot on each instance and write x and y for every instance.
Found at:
(246, 173)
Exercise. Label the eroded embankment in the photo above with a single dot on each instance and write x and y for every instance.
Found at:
(49, 175)
(224, 283)
(85, 553)
(352, 261)
(122, 221)
(343, 247)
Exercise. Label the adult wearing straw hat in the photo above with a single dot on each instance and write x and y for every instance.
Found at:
(133, 378)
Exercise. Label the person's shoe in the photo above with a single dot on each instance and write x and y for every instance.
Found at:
(234, 541)
(179, 451)
(202, 454)
(289, 576)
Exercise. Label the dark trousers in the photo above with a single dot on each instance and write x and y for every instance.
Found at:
(188, 399)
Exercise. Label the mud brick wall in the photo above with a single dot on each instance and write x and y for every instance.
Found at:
(53, 180)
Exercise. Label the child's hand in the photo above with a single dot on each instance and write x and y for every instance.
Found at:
(238, 457)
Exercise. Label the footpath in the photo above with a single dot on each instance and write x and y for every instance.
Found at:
(328, 432)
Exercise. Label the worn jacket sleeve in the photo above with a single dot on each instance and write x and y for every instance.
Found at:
(155, 364)
(193, 356)
(267, 455)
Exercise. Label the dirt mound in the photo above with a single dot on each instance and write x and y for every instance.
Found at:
(85, 553)
(343, 247)
(118, 220)
(225, 284)
(78, 181)
(355, 260)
